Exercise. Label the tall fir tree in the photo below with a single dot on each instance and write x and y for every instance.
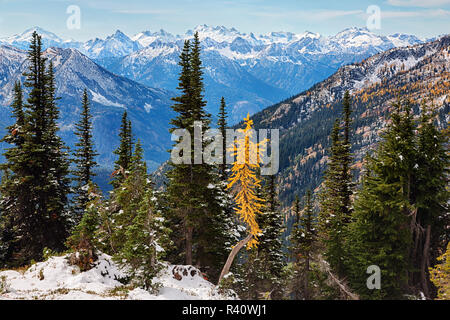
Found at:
(84, 158)
(222, 124)
(270, 251)
(380, 233)
(37, 182)
(124, 151)
(56, 166)
(430, 196)
(13, 155)
(139, 235)
(337, 189)
(331, 224)
(178, 175)
(193, 197)
(125, 201)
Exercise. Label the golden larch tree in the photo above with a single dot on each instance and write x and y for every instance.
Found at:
(245, 180)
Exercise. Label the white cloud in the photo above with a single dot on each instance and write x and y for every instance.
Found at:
(411, 14)
(309, 14)
(143, 11)
(418, 3)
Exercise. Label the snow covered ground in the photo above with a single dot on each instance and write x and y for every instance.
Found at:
(56, 279)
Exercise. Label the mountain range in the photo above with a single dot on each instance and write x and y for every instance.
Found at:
(139, 74)
(110, 95)
(251, 71)
(418, 73)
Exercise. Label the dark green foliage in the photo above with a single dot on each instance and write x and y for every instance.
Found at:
(83, 241)
(430, 196)
(84, 158)
(193, 193)
(222, 124)
(303, 245)
(138, 235)
(144, 239)
(124, 151)
(34, 194)
(380, 234)
(270, 241)
(126, 199)
(335, 197)
(13, 154)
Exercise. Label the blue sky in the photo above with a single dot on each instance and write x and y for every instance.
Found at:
(100, 18)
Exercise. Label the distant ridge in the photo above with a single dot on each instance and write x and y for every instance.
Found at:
(252, 71)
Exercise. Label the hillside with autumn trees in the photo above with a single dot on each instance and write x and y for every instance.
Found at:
(418, 73)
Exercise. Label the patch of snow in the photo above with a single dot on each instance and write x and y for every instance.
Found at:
(104, 101)
(56, 279)
(148, 107)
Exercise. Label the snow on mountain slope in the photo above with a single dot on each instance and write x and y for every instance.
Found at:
(145, 38)
(56, 279)
(116, 45)
(264, 68)
(110, 95)
(49, 39)
(403, 40)
(156, 66)
(419, 73)
(285, 62)
(11, 60)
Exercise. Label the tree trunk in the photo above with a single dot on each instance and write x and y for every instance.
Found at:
(232, 255)
(425, 263)
(189, 232)
(307, 278)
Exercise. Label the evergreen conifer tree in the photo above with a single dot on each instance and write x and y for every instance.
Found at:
(222, 124)
(179, 175)
(13, 156)
(335, 199)
(380, 234)
(84, 157)
(331, 219)
(144, 241)
(84, 240)
(193, 195)
(269, 250)
(37, 181)
(124, 151)
(56, 186)
(303, 242)
(430, 194)
(125, 201)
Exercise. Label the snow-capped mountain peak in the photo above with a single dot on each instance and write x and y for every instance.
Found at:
(22, 40)
(117, 44)
(217, 33)
(357, 37)
(145, 38)
(119, 35)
